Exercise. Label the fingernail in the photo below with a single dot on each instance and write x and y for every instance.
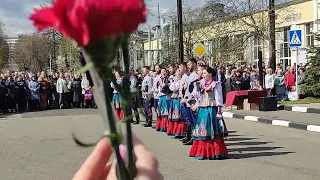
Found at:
(123, 151)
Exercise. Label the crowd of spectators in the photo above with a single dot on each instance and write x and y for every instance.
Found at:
(40, 91)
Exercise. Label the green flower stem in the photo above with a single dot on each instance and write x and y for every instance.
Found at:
(101, 54)
(127, 95)
(122, 172)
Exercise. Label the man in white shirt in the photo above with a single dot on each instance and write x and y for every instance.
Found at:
(155, 88)
(135, 98)
(187, 112)
(147, 95)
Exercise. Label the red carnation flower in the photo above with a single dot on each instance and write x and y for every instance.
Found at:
(88, 20)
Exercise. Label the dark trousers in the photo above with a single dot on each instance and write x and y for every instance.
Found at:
(189, 131)
(134, 107)
(11, 103)
(33, 104)
(69, 98)
(147, 111)
(55, 99)
(3, 106)
(63, 101)
(50, 99)
(22, 103)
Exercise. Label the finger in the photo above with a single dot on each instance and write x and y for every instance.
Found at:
(94, 165)
(144, 156)
(106, 171)
(112, 173)
(148, 174)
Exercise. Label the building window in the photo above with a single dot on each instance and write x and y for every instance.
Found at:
(223, 48)
(309, 35)
(285, 52)
(257, 46)
(238, 46)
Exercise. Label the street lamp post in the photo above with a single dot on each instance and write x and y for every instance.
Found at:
(180, 30)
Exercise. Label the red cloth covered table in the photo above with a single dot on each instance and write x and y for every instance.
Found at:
(252, 95)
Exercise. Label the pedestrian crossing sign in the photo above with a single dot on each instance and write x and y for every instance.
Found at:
(295, 38)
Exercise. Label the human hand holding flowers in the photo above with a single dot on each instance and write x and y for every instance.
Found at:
(98, 167)
(101, 27)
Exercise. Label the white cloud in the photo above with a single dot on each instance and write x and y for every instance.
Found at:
(15, 13)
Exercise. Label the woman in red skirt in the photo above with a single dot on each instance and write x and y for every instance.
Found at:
(176, 124)
(207, 135)
(116, 97)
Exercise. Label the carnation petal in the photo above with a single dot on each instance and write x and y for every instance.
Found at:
(44, 18)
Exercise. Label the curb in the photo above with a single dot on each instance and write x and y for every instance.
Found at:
(299, 109)
(275, 122)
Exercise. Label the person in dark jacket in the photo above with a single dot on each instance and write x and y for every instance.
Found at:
(237, 81)
(21, 93)
(246, 81)
(12, 94)
(222, 78)
(77, 91)
(55, 94)
(139, 85)
(3, 96)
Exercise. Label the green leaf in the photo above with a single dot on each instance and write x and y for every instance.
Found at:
(85, 68)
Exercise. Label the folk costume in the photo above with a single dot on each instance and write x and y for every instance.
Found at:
(207, 135)
(220, 94)
(219, 104)
(147, 95)
(163, 106)
(176, 124)
(155, 90)
(116, 99)
(187, 113)
(169, 97)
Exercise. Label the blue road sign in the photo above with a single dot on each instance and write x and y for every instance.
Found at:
(295, 38)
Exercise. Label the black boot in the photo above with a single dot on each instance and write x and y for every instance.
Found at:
(189, 142)
(183, 139)
(188, 135)
(137, 120)
(136, 113)
(147, 122)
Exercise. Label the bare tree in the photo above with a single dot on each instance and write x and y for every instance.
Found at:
(4, 47)
(231, 29)
(195, 28)
(68, 58)
(32, 52)
(249, 19)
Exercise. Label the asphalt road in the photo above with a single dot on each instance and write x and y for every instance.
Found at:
(41, 148)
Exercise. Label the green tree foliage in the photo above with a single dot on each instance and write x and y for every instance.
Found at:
(312, 83)
(68, 53)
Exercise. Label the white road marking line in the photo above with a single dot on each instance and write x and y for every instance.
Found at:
(251, 118)
(280, 123)
(299, 109)
(313, 128)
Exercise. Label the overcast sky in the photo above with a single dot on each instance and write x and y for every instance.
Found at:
(14, 13)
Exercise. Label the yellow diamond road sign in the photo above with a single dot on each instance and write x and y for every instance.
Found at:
(199, 50)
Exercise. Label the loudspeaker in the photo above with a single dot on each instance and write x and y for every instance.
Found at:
(268, 103)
